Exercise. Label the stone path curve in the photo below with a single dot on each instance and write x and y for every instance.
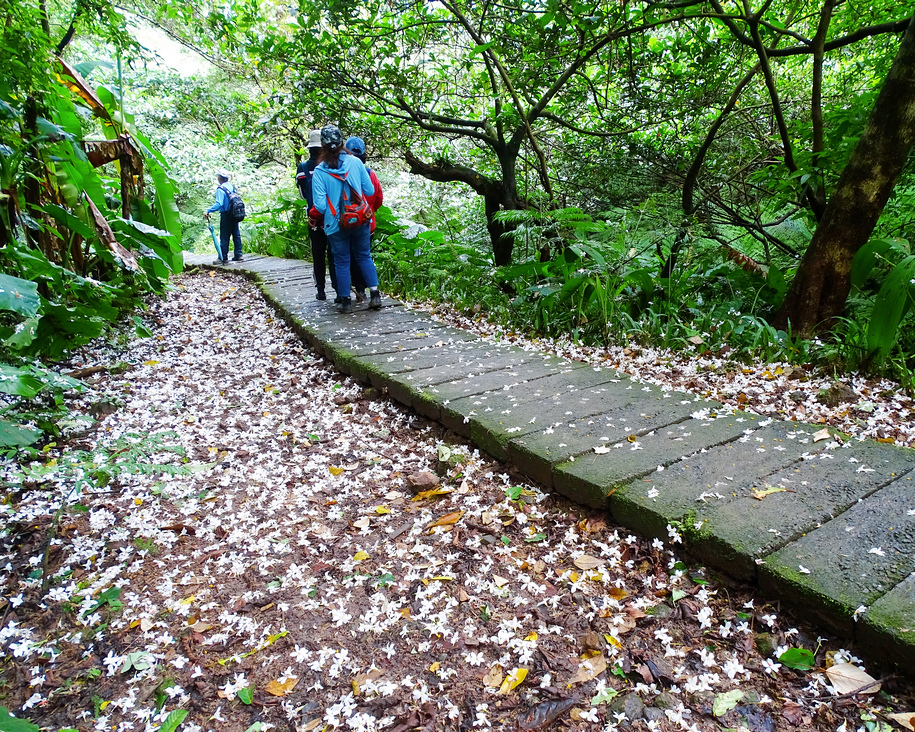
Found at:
(828, 528)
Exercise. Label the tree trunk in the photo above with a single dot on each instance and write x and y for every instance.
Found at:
(498, 195)
(820, 288)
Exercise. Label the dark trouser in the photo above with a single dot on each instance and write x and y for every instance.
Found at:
(228, 228)
(319, 249)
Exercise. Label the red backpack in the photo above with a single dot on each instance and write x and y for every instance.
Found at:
(354, 209)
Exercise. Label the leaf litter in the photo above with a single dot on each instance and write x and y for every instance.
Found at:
(272, 584)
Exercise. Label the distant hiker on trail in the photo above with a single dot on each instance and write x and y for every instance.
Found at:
(340, 186)
(228, 226)
(355, 146)
(319, 244)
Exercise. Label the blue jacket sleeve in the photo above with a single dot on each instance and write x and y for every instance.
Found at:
(221, 199)
(319, 190)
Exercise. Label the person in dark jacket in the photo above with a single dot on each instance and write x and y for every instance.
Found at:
(320, 248)
(228, 227)
(356, 146)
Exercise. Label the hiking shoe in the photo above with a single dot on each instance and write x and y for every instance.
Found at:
(238, 259)
(320, 295)
(339, 300)
(346, 306)
(375, 301)
(221, 262)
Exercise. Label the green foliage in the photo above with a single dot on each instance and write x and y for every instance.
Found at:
(110, 598)
(799, 659)
(173, 720)
(9, 723)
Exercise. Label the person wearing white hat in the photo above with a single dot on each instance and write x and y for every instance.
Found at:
(320, 248)
(228, 227)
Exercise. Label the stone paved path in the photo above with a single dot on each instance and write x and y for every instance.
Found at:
(828, 528)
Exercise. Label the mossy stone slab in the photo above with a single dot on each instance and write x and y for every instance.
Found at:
(887, 629)
(735, 534)
(852, 560)
(673, 435)
(620, 414)
(687, 490)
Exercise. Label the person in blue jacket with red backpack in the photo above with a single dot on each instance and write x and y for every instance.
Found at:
(335, 170)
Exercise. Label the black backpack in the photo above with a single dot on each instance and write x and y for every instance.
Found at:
(236, 205)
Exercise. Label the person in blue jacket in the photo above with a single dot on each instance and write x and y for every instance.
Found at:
(319, 244)
(228, 227)
(327, 190)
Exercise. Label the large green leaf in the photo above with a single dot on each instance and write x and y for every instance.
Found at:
(20, 296)
(62, 216)
(9, 723)
(16, 435)
(19, 381)
(892, 303)
(24, 334)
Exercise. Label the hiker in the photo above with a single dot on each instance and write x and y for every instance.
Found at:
(333, 172)
(228, 227)
(355, 146)
(319, 244)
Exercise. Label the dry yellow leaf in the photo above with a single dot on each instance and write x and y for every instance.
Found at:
(441, 578)
(360, 556)
(514, 678)
(382, 510)
(631, 438)
(435, 667)
(760, 493)
(589, 669)
(586, 561)
(904, 719)
(617, 593)
(334, 470)
(280, 688)
(847, 678)
(150, 363)
(431, 493)
(532, 636)
(137, 501)
(463, 596)
(612, 641)
(449, 519)
(493, 677)
(822, 434)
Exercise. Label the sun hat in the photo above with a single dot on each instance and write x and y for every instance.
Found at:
(331, 137)
(223, 173)
(314, 138)
(355, 145)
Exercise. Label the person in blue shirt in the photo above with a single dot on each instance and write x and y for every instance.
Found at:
(228, 227)
(319, 244)
(327, 188)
